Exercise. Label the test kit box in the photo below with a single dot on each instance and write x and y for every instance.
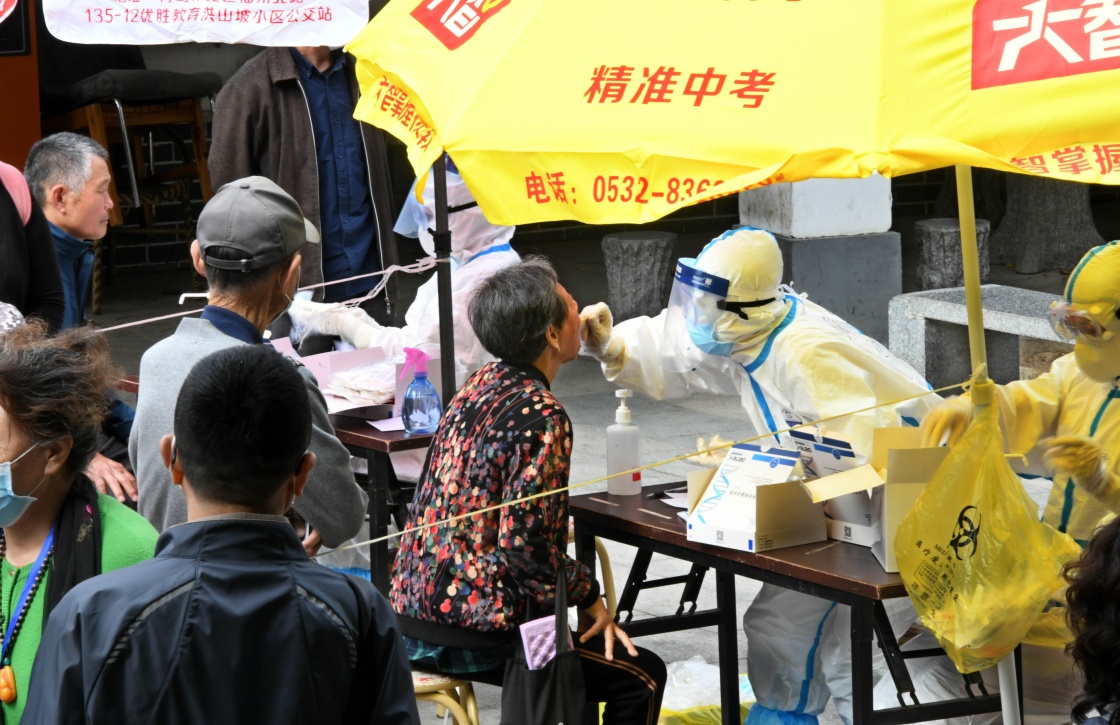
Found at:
(847, 517)
(899, 470)
(755, 502)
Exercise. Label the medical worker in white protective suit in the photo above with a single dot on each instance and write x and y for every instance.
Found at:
(730, 329)
(478, 250)
(1067, 423)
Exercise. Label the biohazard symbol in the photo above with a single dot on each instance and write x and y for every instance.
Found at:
(965, 533)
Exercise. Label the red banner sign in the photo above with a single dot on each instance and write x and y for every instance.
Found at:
(1016, 41)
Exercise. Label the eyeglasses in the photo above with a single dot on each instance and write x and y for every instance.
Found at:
(1089, 323)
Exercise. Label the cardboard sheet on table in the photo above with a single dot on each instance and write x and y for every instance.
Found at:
(324, 365)
(283, 345)
(855, 479)
(336, 404)
(888, 439)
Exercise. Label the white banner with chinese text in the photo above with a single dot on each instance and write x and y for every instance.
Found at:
(157, 22)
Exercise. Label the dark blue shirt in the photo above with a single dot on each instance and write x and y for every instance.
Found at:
(75, 262)
(345, 208)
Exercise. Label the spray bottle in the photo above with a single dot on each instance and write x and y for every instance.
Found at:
(420, 410)
(622, 450)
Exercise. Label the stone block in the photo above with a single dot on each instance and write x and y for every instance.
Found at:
(854, 276)
(929, 330)
(939, 252)
(819, 207)
(639, 272)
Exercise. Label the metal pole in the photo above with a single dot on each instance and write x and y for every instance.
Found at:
(971, 261)
(442, 239)
(1009, 690)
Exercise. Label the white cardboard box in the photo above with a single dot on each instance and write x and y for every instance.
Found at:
(897, 475)
(751, 504)
(908, 472)
(848, 517)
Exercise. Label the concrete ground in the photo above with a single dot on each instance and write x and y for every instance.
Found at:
(669, 428)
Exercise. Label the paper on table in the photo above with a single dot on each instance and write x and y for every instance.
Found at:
(677, 500)
(388, 425)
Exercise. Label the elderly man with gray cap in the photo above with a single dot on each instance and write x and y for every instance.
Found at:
(248, 248)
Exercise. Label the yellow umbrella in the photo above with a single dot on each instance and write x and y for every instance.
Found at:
(622, 111)
(612, 112)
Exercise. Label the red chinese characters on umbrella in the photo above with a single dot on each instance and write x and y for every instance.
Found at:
(1101, 158)
(1015, 41)
(394, 100)
(624, 83)
(454, 22)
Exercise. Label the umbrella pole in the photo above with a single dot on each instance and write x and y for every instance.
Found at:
(442, 239)
(970, 259)
(983, 389)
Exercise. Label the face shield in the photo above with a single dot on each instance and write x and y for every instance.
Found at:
(1093, 328)
(696, 306)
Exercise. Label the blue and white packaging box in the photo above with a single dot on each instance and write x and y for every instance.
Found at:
(755, 502)
(848, 517)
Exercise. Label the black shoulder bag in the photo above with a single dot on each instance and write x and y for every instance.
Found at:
(553, 694)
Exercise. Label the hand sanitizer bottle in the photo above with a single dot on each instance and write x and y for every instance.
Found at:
(622, 450)
(420, 410)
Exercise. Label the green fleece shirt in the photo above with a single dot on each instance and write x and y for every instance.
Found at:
(126, 538)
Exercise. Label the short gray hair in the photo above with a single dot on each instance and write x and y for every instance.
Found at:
(512, 310)
(61, 158)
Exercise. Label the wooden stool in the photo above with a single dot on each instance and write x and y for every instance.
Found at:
(447, 691)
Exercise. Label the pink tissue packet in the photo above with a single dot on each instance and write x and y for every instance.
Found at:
(539, 639)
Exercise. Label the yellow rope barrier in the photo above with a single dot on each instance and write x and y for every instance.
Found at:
(573, 487)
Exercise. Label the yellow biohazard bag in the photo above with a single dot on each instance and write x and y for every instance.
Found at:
(977, 562)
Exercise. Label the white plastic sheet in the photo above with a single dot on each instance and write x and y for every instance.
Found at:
(157, 22)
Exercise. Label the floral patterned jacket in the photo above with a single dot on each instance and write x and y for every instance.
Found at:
(503, 437)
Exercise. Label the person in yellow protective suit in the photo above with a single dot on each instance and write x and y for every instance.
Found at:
(1068, 415)
(1066, 421)
(732, 328)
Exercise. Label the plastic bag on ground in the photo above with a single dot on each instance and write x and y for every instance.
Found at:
(692, 694)
(977, 563)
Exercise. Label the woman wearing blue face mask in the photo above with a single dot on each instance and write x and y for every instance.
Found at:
(55, 529)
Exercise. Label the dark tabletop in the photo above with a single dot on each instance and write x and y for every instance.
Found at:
(834, 564)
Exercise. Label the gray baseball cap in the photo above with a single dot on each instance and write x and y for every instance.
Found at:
(257, 218)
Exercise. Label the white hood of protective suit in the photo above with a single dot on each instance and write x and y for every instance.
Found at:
(471, 233)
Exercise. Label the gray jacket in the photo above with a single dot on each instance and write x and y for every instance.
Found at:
(262, 126)
(332, 502)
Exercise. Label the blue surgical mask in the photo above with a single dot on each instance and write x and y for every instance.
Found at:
(703, 336)
(12, 505)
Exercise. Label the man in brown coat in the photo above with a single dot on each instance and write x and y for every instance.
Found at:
(287, 114)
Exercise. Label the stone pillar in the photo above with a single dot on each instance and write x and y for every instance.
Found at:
(939, 252)
(836, 243)
(639, 272)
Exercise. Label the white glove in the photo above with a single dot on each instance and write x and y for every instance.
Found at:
(1085, 462)
(350, 323)
(949, 418)
(596, 323)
